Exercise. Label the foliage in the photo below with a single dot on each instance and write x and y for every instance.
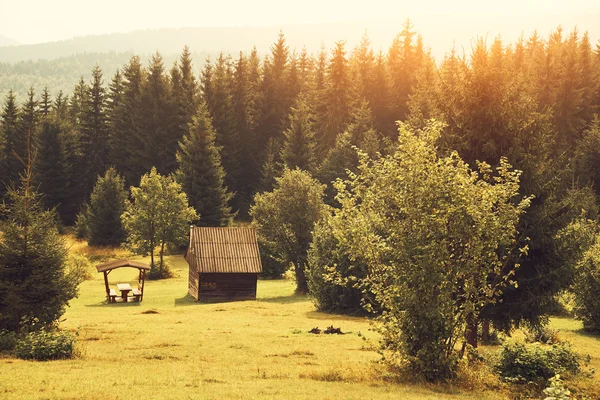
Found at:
(522, 363)
(33, 278)
(439, 240)
(157, 215)
(299, 146)
(543, 334)
(8, 340)
(272, 267)
(285, 219)
(45, 345)
(201, 174)
(556, 390)
(82, 228)
(333, 279)
(587, 286)
(103, 214)
(79, 268)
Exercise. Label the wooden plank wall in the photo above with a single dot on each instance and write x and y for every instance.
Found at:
(193, 283)
(224, 287)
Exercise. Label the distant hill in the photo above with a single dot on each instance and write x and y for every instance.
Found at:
(59, 65)
(6, 41)
(440, 33)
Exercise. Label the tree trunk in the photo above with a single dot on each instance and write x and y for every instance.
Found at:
(162, 251)
(301, 284)
(471, 333)
(485, 331)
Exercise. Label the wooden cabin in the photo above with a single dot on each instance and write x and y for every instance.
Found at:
(224, 263)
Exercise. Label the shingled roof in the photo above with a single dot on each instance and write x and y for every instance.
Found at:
(223, 250)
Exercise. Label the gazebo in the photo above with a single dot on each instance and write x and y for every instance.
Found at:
(111, 294)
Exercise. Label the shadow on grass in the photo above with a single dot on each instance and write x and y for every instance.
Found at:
(187, 300)
(116, 305)
(588, 334)
(294, 298)
(320, 315)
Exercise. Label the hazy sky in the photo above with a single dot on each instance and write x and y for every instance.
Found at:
(34, 21)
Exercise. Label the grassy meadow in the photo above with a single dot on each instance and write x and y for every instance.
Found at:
(170, 347)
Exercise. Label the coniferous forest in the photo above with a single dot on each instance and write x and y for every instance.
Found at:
(522, 117)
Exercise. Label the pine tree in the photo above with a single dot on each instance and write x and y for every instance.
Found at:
(77, 103)
(245, 114)
(200, 172)
(276, 101)
(94, 133)
(126, 122)
(336, 96)
(103, 215)
(45, 103)
(221, 109)
(51, 169)
(185, 91)
(11, 142)
(404, 58)
(271, 168)
(28, 119)
(299, 146)
(157, 135)
(32, 255)
(343, 157)
(61, 107)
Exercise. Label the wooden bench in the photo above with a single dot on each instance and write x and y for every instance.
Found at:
(137, 294)
(112, 297)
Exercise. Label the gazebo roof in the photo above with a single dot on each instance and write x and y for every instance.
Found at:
(122, 263)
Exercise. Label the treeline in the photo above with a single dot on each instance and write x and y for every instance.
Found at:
(532, 101)
(59, 74)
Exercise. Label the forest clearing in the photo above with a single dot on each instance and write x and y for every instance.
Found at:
(170, 346)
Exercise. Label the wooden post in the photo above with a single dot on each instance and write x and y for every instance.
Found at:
(143, 275)
(106, 286)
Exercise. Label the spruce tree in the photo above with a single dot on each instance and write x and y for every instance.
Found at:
(200, 172)
(276, 101)
(33, 280)
(45, 103)
(336, 98)
(299, 146)
(51, 169)
(28, 119)
(11, 142)
(156, 137)
(220, 107)
(94, 132)
(245, 114)
(271, 166)
(126, 121)
(103, 214)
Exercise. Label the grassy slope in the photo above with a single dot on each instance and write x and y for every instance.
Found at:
(252, 349)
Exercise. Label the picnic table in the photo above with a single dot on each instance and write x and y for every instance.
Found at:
(125, 289)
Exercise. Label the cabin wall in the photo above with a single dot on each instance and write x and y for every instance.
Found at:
(193, 283)
(225, 287)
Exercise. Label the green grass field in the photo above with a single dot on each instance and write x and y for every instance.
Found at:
(170, 347)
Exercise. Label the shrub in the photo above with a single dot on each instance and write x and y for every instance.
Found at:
(45, 345)
(8, 340)
(273, 268)
(79, 268)
(543, 335)
(332, 276)
(556, 390)
(586, 288)
(82, 229)
(521, 363)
